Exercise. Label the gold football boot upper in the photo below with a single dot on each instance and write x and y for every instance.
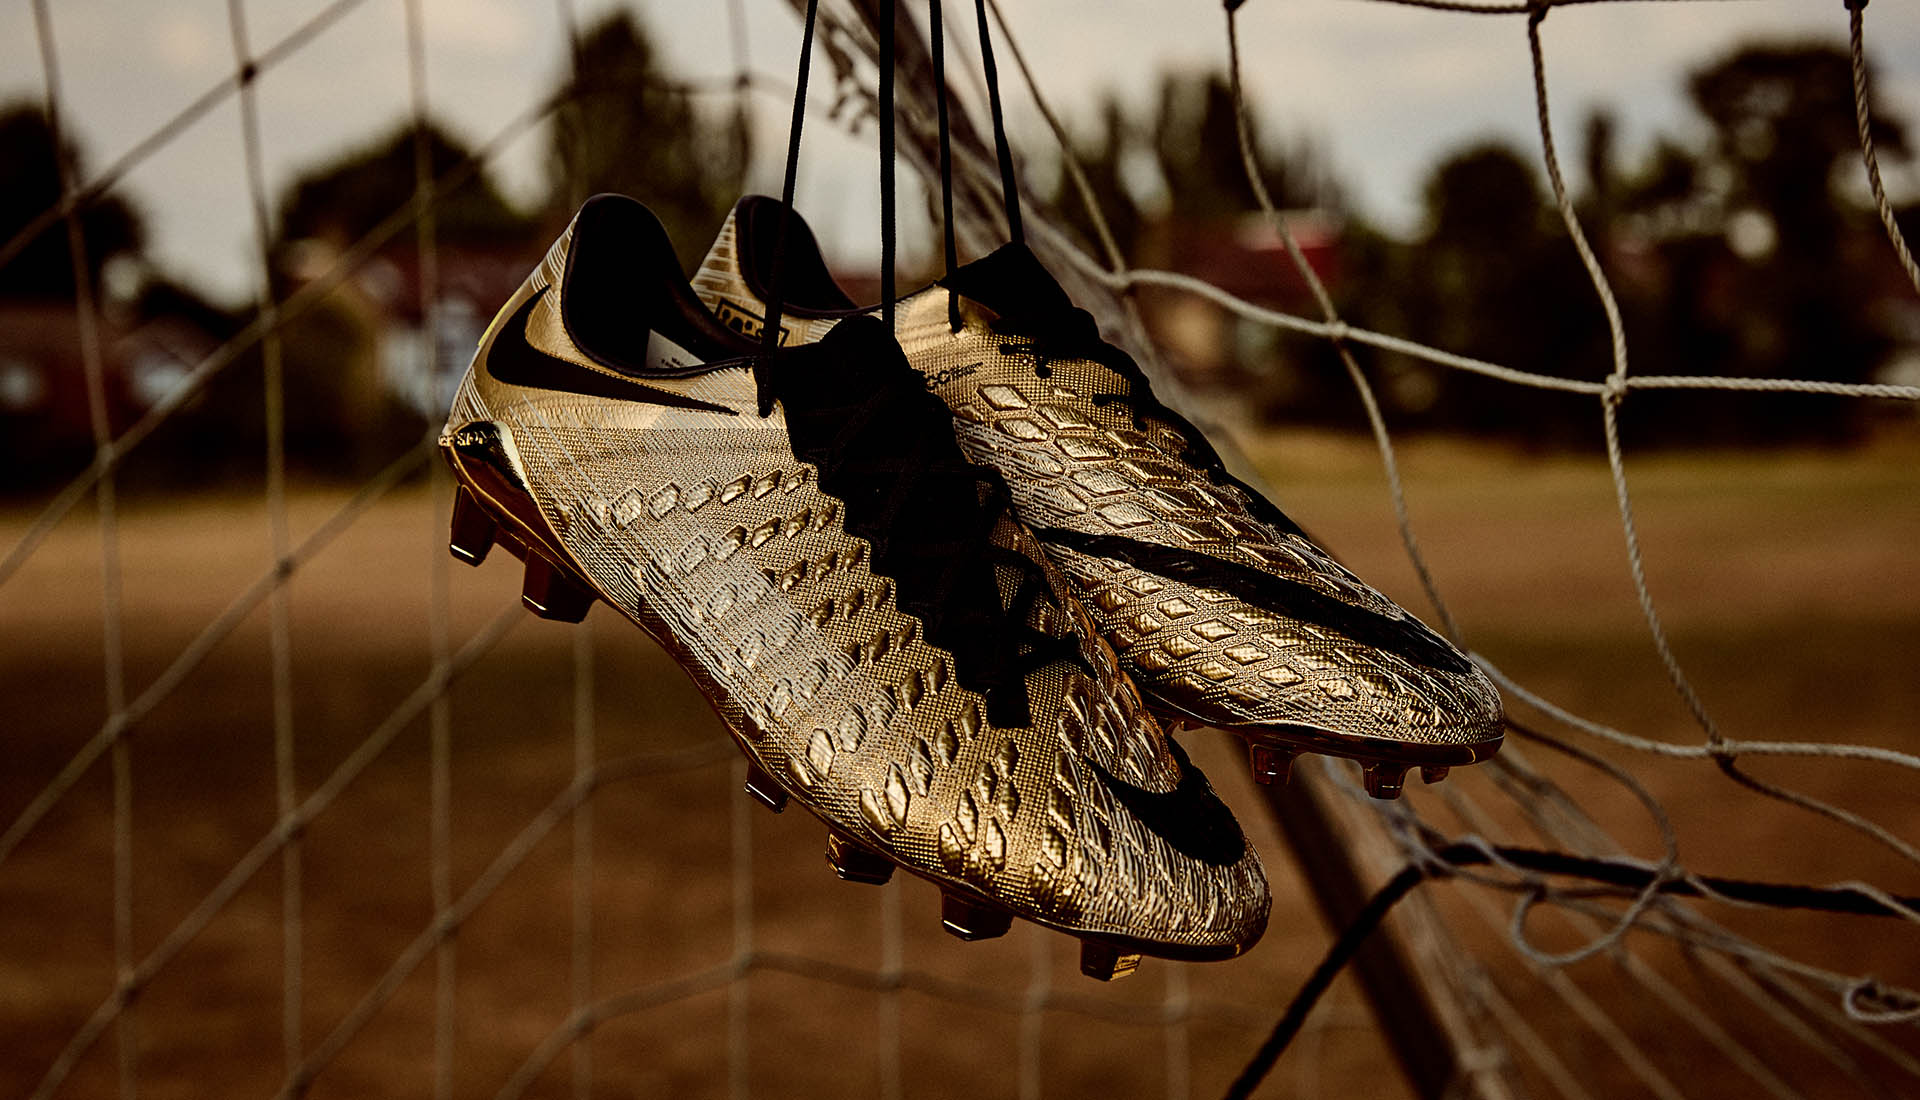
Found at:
(886, 644)
(1219, 606)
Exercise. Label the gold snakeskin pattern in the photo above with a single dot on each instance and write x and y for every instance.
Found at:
(704, 529)
(1075, 459)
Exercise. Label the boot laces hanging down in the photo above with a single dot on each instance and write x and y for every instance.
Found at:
(859, 412)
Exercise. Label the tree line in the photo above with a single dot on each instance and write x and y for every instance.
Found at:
(1755, 255)
(1749, 255)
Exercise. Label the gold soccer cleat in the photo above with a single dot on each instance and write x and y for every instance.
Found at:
(1219, 606)
(888, 646)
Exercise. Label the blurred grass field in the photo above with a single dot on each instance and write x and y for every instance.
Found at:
(1790, 584)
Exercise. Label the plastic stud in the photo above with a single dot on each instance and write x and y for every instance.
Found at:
(764, 790)
(855, 862)
(551, 594)
(1271, 765)
(1433, 773)
(473, 530)
(1384, 781)
(972, 920)
(1106, 962)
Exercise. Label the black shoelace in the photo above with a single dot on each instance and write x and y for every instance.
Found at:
(776, 299)
(860, 414)
(937, 29)
(1003, 151)
(885, 447)
(1067, 333)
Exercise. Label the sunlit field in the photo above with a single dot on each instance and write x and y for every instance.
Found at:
(1790, 584)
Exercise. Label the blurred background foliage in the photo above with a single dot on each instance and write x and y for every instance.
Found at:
(1753, 253)
(367, 368)
(1756, 254)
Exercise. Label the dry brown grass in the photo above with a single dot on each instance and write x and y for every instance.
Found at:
(1791, 586)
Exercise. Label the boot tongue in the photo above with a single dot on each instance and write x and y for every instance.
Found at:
(855, 358)
(719, 271)
(885, 447)
(1012, 282)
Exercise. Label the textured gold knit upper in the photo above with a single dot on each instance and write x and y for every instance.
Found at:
(1076, 460)
(705, 529)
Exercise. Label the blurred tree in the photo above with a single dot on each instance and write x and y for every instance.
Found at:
(1481, 199)
(1602, 170)
(29, 186)
(1172, 185)
(342, 200)
(1104, 161)
(1495, 278)
(626, 129)
(1783, 119)
(1182, 165)
(1784, 129)
(1671, 175)
(45, 422)
(342, 416)
(1197, 145)
(1745, 257)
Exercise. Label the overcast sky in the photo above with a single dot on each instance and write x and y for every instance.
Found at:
(1383, 89)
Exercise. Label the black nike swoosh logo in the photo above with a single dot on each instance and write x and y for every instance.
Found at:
(1190, 817)
(1407, 637)
(512, 359)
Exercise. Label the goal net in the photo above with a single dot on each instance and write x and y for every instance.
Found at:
(293, 809)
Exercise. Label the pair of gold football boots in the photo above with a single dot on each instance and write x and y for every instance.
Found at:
(943, 585)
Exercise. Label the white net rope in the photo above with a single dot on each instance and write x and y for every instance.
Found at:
(1782, 981)
(1835, 1015)
(1862, 1000)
